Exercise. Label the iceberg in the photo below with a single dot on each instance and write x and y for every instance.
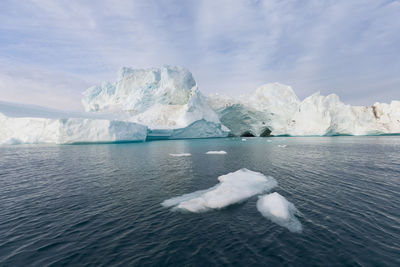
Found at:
(28, 130)
(233, 187)
(165, 99)
(274, 109)
(143, 104)
(280, 211)
(165, 103)
(327, 115)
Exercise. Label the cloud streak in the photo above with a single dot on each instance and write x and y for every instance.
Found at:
(50, 51)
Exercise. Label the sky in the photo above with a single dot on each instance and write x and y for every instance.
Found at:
(51, 51)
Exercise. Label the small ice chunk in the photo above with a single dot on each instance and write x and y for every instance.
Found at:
(181, 155)
(216, 152)
(276, 208)
(269, 141)
(233, 187)
(244, 139)
(282, 145)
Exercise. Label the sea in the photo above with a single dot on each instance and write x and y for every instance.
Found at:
(100, 204)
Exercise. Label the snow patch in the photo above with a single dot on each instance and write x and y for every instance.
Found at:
(233, 187)
(280, 211)
(216, 152)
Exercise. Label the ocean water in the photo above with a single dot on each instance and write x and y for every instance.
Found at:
(100, 205)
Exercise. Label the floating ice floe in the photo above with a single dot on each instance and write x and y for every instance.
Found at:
(216, 152)
(180, 155)
(282, 145)
(233, 187)
(276, 208)
(244, 139)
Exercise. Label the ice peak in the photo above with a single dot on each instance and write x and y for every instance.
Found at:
(159, 97)
(137, 89)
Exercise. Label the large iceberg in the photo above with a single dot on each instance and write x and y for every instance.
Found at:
(274, 109)
(165, 99)
(165, 103)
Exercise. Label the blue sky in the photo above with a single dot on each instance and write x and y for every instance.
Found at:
(51, 51)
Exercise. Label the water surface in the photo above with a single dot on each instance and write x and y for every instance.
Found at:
(99, 205)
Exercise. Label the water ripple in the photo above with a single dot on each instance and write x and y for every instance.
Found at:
(99, 205)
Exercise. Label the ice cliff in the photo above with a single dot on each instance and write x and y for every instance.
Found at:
(274, 109)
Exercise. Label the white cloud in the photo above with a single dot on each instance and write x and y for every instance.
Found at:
(344, 47)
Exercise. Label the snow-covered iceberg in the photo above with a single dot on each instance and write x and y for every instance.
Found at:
(165, 99)
(233, 187)
(274, 109)
(276, 208)
(28, 130)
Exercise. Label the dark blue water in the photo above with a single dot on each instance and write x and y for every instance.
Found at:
(99, 205)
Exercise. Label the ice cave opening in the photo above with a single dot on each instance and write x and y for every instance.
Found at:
(247, 134)
(265, 132)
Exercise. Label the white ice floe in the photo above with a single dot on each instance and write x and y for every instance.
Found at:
(180, 155)
(282, 145)
(276, 208)
(233, 187)
(244, 139)
(216, 152)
